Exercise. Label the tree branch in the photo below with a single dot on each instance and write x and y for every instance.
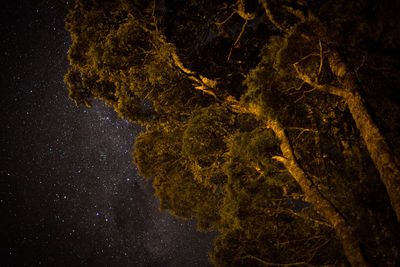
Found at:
(219, 24)
(321, 58)
(345, 232)
(327, 88)
(317, 248)
(298, 13)
(302, 129)
(271, 17)
(203, 84)
(237, 39)
(242, 12)
(248, 256)
(317, 221)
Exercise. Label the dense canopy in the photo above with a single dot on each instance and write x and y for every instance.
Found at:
(275, 123)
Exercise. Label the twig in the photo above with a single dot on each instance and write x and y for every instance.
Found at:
(308, 56)
(297, 13)
(302, 129)
(298, 99)
(219, 24)
(317, 221)
(317, 248)
(240, 11)
(154, 16)
(362, 64)
(274, 264)
(237, 39)
(322, 58)
(271, 17)
(303, 239)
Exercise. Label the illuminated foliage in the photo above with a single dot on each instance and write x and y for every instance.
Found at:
(261, 119)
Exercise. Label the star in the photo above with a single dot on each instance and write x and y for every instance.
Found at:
(70, 199)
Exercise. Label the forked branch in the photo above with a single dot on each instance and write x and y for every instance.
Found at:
(327, 88)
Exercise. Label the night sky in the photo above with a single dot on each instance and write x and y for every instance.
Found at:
(70, 195)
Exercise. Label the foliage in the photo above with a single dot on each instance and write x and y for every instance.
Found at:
(203, 78)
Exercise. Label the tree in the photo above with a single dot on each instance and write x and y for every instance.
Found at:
(267, 150)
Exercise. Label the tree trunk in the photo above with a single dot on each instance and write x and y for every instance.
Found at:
(344, 231)
(378, 148)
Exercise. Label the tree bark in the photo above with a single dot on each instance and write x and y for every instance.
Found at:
(344, 231)
(378, 148)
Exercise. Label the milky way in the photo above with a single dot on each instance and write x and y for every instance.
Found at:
(70, 195)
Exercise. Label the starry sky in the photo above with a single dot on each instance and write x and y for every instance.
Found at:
(70, 195)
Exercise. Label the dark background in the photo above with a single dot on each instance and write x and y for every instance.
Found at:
(70, 195)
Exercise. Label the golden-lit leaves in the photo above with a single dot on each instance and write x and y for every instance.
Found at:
(210, 155)
(77, 92)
